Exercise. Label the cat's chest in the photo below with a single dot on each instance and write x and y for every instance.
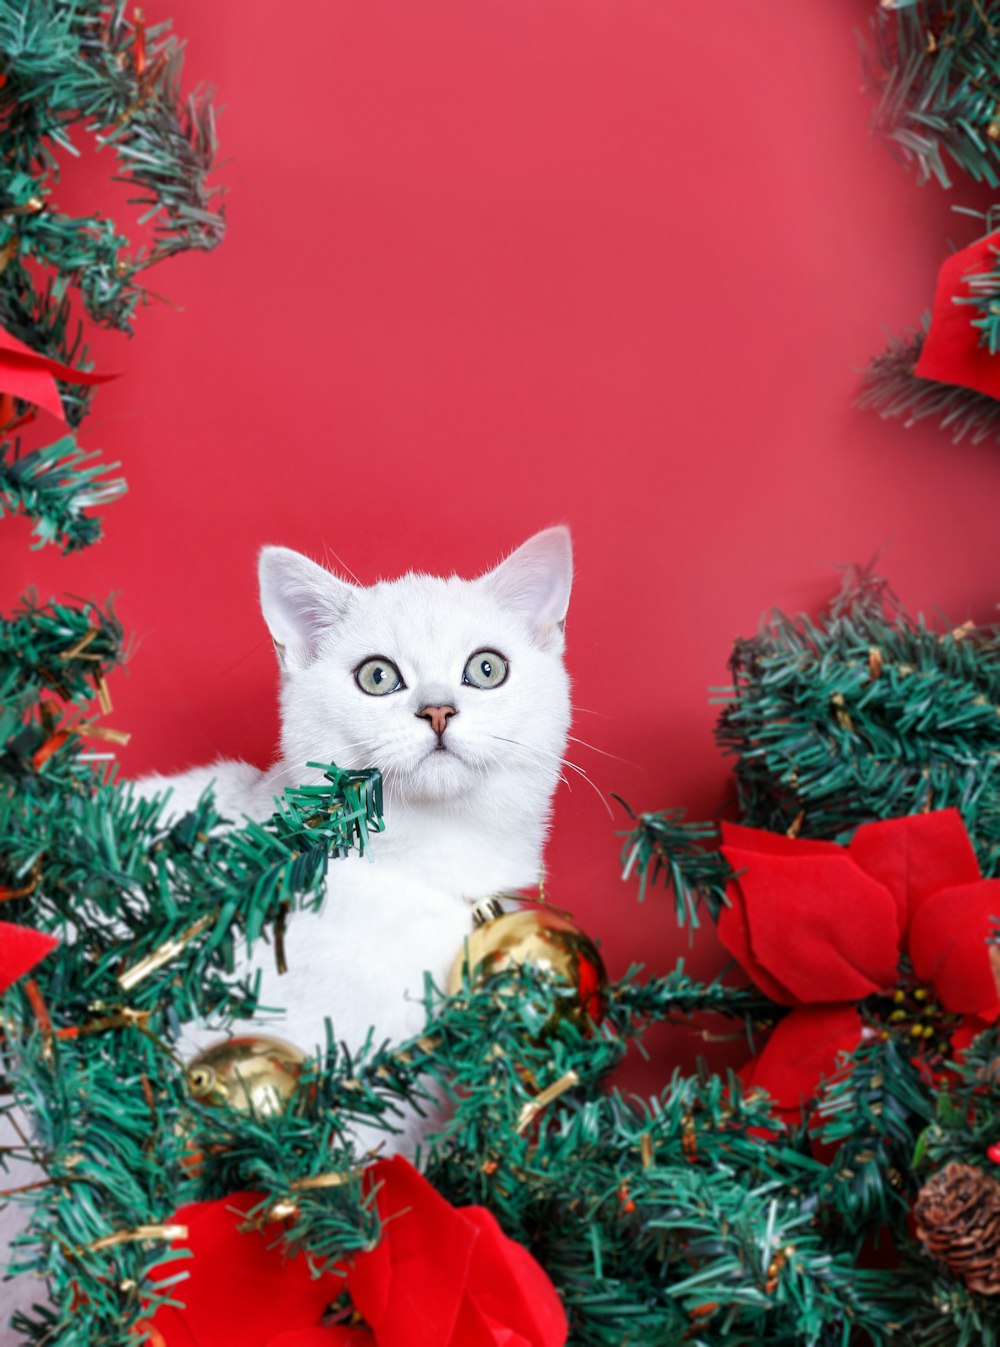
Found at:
(361, 960)
(470, 858)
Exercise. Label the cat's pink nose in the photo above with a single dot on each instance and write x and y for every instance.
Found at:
(438, 716)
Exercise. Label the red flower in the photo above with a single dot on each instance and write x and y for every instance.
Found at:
(952, 352)
(31, 377)
(440, 1276)
(819, 927)
(20, 949)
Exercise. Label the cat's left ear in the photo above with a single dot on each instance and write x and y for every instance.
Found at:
(535, 581)
(300, 602)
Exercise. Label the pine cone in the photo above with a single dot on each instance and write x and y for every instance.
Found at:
(958, 1221)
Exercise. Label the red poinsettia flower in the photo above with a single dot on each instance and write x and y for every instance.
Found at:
(820, 927)
(31, 376)
(20, 949)
(952, 352)
(440, 1276)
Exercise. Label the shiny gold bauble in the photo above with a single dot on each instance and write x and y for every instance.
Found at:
(252, 1074)
(540, 940)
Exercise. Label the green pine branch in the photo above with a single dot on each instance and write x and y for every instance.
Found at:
(963, 1125)
(873, 1113)
(664, 848)
(55, 486)
(936, 68)
(675, 996)
(892, 389)
(77, 69)
(865, 714)
(77, 65)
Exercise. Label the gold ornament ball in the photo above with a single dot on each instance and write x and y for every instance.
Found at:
(541, 940)
(252, 1074)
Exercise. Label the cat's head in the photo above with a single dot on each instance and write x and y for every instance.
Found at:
(454, 688)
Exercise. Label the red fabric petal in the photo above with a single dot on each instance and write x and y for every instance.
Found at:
(775, 844)
(803, 1047)
(511, 1290)
(915, 856)
(951, 353)
(31, 376)
(734, 935)
(949, 946)
(20, 949)
(410, 1287)
(240, 1290)
(448, 1277)
(338, 1336)
(819, 924)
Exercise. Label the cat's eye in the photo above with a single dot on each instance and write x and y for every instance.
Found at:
(378, 676)
(485, 669)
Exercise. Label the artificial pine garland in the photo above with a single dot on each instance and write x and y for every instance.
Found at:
(866, 713)
(935, 67)
(698, 1215)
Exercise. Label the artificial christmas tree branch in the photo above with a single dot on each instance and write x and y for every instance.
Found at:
(55, 486)
(865, 714)
(664, 846)
(72, 70)
(936, 67)
(936, 70)
(892, 389)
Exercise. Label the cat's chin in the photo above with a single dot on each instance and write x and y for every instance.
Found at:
(439, 776)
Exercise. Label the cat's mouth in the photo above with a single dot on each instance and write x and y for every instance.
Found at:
(442, 751)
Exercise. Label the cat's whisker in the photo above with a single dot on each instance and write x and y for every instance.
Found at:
(537, 754)
(565, 762)
(603, 752)
(283, 770)
(528, 749)
(575, 767)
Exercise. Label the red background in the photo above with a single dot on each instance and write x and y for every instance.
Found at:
(496, 265)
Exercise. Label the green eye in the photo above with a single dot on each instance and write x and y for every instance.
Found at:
(485, 669)
(378, 676)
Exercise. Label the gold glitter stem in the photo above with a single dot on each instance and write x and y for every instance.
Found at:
(167, 951)
(541, 1101)
(136, 1236)
(75, 651)
(333, 1179)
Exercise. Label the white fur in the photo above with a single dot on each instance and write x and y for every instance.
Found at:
(460, 825)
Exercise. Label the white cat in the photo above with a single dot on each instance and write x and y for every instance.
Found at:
(456, 691)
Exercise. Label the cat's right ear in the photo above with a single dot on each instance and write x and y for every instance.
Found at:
(300, 601)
